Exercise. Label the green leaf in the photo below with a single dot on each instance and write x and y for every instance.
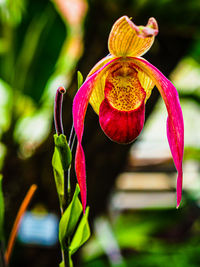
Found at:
(6, 105)
(70, 218)
(64, 150)
(79, 78)
(58, 175)
(61, 162)
(82, 233)
(1, 208)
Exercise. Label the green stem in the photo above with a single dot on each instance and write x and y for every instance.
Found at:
(67, 186)
(66, 256)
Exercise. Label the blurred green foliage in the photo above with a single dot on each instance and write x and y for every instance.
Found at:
(33, 63)
(1, 208)
(151, 238)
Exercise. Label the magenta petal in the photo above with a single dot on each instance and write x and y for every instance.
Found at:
(80, 173)
(80, 104)
(176, 146)
(121, 126)
(175, 125)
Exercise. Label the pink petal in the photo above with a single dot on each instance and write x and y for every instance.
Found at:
(175, 125)
(80, 104)
(121, 126)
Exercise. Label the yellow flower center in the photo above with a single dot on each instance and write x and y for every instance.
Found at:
(122, 87)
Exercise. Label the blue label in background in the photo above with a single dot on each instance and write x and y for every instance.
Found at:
(39, 229)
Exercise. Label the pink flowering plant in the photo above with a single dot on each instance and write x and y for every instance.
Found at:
(117, 88)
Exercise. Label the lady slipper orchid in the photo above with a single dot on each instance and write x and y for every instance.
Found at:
(118, 87)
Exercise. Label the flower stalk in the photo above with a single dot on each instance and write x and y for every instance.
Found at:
(58, 110)
(66, 168)
(74, 228)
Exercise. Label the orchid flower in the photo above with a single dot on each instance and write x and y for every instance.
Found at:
(118, 87)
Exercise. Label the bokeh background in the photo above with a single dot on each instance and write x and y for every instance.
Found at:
(131, 189)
